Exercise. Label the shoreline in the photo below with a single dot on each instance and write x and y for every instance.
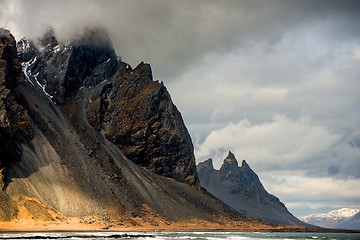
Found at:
(27, 227)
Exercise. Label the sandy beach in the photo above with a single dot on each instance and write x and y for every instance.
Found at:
(193, 225)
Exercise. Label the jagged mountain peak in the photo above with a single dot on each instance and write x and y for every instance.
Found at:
(144, 69)
(208, 164)
(244, 164)
(230, 163)
(9, 45)
(230, 156)
(61, 69)
(205, 168)
(12, 71)
(241, 188)
(26, 49)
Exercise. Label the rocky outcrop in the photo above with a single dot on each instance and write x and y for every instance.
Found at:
(14, 120)
(151, 131)
(62, 68)
(240, 188)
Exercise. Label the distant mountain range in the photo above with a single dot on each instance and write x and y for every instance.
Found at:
(344, 218)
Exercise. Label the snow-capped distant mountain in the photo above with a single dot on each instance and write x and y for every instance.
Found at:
(348, 218)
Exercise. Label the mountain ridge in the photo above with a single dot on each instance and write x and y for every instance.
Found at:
(241, 188)
(343, 218)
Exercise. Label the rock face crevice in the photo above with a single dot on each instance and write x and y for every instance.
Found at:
(241, 188)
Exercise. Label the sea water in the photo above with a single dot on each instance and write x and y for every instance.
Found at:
(215, 235)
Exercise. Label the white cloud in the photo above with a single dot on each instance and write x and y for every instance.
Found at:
(356, 52)
(304, 195)
(279, 143)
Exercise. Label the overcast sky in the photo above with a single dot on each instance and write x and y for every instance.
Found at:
(276, 82)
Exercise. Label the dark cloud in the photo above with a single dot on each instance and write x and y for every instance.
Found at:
(174, 35)
(333, 170)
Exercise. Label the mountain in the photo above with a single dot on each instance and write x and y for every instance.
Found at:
(344, 218)
(240, 188)
(124, 104)
(84, 136)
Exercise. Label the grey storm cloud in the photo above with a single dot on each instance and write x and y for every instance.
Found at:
(173, 35)
(275, 81)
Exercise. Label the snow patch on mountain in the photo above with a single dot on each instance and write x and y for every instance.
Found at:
(339, 218)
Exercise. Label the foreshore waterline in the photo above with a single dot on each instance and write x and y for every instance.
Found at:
(167, 234)
(110, 227)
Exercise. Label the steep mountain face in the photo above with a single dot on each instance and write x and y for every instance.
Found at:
(151, 131)
(344, 218)
(240, 188)
(14, 121)
(62, 68)
(56, 122)
(129, 108)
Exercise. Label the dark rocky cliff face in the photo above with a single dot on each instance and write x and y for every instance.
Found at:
(62, 68)
(151, 131)
(126, 105)
(14, 120)
(240, 188)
